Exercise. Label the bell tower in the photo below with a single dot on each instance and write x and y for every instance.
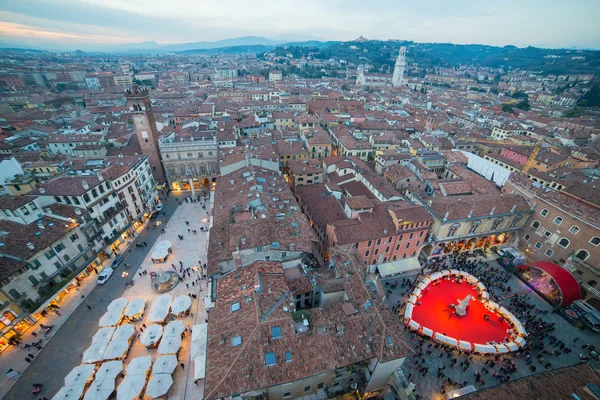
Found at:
(399, 67)
(140, 106)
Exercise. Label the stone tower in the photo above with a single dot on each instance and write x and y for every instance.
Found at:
(139, 104)
(360, 76)
(399, 67)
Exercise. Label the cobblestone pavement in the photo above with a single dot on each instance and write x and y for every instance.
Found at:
(429, 385)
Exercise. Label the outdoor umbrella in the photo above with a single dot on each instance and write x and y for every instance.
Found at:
(116, 349)
(70, 392)
(111, 318)
(79, 375)
(151, 335)
(139, 365)
(94, 353)
(160, 308)
(181, 303)
(135, 307)
(200, 367)
(100, 390)
(109, 370)
(131, 387)
(124, 332)
(174, 328)
(199, 331)
(159, 385)
(118, 304)
(103, 335)
(165, 364)
(169, 345)
(198, 348)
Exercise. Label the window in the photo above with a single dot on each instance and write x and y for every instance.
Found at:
(595, 241)
(14, 293)
(307, 388)
(50, 254)
(496, 224)
(547, 233)
(367, 253)
(535, 225)
(288, 356)
(389, 340)
(544, 212)
(582, 255)
(270, 359)
(376, 251)
(235, 306)
(453, 229)
(74, 237)
(320, 385)
(66, 257)
(33, 280)
(59, 247)
(558, 220)
(378, 242)
(276, 332)
(574, 229)
(538, 245)
(370, 243)
(564, 242)
(287, 395)
(236, 341)
(526, 237)
(549, 253)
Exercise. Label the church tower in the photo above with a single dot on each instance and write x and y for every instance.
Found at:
(139, 104)
(399, 67)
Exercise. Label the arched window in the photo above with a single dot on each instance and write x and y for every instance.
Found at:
(549, 253)
(564, 242)
(558, 220)
(496, 224)
(574, 229)
(595, 241)
(453, 229)
(544, 212)
(474, 226)
(582, 255)
(33, 280)
(535, 225)
(14, 293)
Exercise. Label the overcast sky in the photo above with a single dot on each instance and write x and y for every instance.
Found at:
(92, 23)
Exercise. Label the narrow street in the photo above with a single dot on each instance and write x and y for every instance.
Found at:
(64, 350)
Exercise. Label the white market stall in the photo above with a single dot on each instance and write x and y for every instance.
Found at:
(464, 345)
(116, 350)
(151, 335)
(70, 392)
(139, 365)
(161, 251)
(174, 328)
(414, 325)
(169, 345)
(109, 370)
(123, 332)
(181, 304)
(131, 387)
(199, 340)
(160, 308)
(200, 367)
(103, 335)
(94, 353)
(111, 318)
(79, 375)
(135, 307)
(159, 385)
(165, 364)
(100, 390)
(118, 305)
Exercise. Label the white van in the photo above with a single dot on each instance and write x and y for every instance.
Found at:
(104, 275)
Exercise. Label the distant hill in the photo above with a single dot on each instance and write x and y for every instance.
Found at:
(235, 42)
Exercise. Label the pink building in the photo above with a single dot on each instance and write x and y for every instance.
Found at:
(520, 155)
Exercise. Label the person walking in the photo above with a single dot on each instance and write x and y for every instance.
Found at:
(88, 306)
(182, 366)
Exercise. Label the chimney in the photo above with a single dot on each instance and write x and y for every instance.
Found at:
(99, 175)
(85, 185)
(31, 246)
(385, 231)
(470, 214)
(493, 210)
(77, 211)
(446, 216)
(513, 208)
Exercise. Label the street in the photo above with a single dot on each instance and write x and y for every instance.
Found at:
(64, 351)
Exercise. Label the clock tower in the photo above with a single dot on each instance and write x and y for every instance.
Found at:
(140, 107)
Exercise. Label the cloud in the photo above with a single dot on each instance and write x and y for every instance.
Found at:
(29, 32)
(556, 24)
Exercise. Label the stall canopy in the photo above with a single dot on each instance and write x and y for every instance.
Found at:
(160, 308)
(139, 365)
(169, 345)
(100, 390)
(165, 364)
(79, 375)
(116, 349)
(151, 335)
(111, 318)
(94, 353)
(70, 392)
(131, 387)
(200, 367)
(103, 335)
(135, 307)
(124, 332)
(161, 250)
(118, 304)
(398, 267)
(174, 328)
(159, 385)
(109, 370)
(566, 283)
(199, 340)
(181, 304)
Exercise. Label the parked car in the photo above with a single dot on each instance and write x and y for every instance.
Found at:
(104, 275)
(159, 206)
(154, 216)
(116, 262)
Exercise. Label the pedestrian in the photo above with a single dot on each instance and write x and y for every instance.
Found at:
(180, 264)
(56, 312)
(88, 306)
(30, 356)
(182, 366)
(28, 360)
(145, 244)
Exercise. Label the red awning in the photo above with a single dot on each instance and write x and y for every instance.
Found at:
(566, 282)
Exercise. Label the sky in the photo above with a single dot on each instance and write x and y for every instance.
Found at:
(94, 24)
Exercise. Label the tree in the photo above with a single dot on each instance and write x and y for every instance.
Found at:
(524, 105)
(574, 112)
(520, 95)
(509, 108)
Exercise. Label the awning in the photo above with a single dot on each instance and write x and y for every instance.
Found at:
(94, 353)
(116, 349)
(169, 345)
(181, 304)
(111, 318)
(100, 390)
(200, 367)
(399, 266)
(109, 370)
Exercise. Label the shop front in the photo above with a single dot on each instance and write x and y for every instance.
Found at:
(13, 324)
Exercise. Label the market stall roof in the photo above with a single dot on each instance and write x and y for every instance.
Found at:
(139, 365)
(174, 328)
(200, 367)
(70, 392)
(165, 364)
(567, 284)
(159, 385)
(160, 308)
(169, 345)
(116, 349)
(399, 266)
(118, 304)
(131, 387)
(181, 304)
(111, 318)
(199, 340)
(103, 335)
(94, 353)
(151, 335)
(135, 307)
(109, 370)
(80, 374)
(200, 331)
(123, 332)
(161, 250)
(100, 390)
